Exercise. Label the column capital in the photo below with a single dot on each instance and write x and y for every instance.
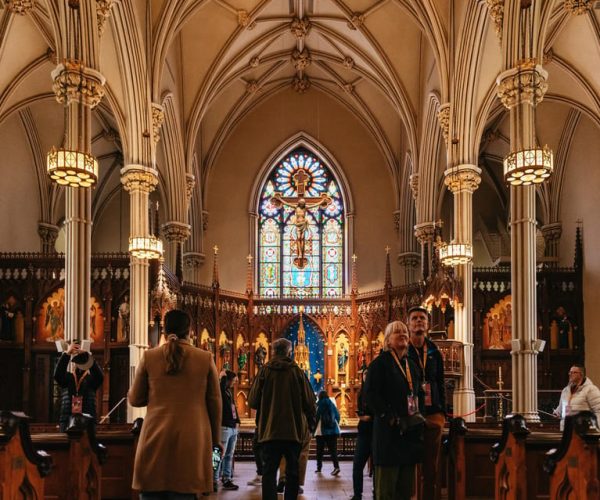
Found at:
(139, 178)
(48, 233)
(413, 181)
(103, 13)
(175, 231)
(552, 231)
(158, 117)
(443, 117)
(409, 259)
(578, 7)
(20, 7)
(496, 8)
(193, 260)
(75, 82)
(424, 232)
(190, 183)
(462, 178)
(525, 83)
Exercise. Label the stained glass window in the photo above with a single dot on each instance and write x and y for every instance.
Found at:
(278, 270)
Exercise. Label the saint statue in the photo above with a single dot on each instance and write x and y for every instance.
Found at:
(342, 359)
(55, 319)
(361, 362)
(124, 313)
(7, 321)
(260, 356)
(242, 358)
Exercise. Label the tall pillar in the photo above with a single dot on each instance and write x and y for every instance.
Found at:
(462, 181)
(139, 181)
(79, 89)
(519, 89)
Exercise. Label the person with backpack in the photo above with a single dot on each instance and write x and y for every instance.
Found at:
(327, 431)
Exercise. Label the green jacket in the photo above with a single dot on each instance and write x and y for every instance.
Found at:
(283, 398)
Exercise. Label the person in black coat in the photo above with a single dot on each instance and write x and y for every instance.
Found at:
(394, 396)
(364, 439)
(428, 358)
(78, 387)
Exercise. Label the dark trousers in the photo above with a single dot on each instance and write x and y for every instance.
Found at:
(167, 495)
(331, 442)
(362, 452)
(272, 451)
(257, 450)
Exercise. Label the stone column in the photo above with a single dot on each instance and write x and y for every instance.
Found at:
(462, 181)
(139, 181)
(79, 89)
(409, 261)
(192, 262)
(175, 234)
(424, 233)
(48, 234)
(552, 233)
(519, 89)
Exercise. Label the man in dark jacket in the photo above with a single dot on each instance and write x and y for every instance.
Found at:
(80, 386)
(283, 397)
(425, 354)
(230, 422)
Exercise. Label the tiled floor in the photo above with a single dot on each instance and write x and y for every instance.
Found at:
(318, 486)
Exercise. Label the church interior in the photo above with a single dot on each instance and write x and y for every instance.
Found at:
(307, 169)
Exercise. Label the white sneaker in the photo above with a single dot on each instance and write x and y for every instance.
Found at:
(257, 481)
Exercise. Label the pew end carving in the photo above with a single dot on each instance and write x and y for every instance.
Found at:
(454, 447)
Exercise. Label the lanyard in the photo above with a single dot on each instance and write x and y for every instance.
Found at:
(406, 372)
(423, 363)
(79, 380)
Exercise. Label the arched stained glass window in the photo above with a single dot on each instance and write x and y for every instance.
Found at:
(301, 260)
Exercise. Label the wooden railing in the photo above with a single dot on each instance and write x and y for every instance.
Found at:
(22, 468)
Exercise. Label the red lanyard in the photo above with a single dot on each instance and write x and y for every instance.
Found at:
(424, 362)
(79, 380)
(405, 372)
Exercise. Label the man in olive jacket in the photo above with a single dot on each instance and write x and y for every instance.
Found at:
(285, 405)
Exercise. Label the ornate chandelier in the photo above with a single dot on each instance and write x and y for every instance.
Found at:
(528, 166)
(72, 168)
(145, 247)
(455, 254)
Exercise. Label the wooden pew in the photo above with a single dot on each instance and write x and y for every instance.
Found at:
(22, 468)
(454, 448)
(135, 431)
(573, 467)
(509, 457)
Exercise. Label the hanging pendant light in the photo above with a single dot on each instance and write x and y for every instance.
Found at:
(455, 254)
(151, 246)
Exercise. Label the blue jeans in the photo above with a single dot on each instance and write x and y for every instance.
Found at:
(229, 439)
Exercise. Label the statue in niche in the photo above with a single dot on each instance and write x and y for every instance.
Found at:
(55, 320)
(361, 359)
(561, 330)
(260, 356)
(242, 358)
(225, 352)
(342, 359)
(8, 316)
(123, 323)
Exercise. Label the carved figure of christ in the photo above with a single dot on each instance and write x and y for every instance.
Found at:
(301, 204)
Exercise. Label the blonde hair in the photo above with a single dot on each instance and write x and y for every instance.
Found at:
(392, 327)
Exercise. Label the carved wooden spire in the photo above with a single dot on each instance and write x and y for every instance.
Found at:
(354, 290)
(215, 277)
(388, 269)
(249, 276)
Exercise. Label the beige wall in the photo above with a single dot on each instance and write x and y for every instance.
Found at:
(253, 143)
(581, 200)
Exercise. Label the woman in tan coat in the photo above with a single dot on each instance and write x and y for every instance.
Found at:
(180, 386)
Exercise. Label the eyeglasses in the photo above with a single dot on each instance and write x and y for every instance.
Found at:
(572, 372)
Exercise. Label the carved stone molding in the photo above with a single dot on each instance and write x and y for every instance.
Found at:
(409, 259)
(158, 118)
(103, 13)
(244, 20)
(190, 183)
(578, 7)
(552, 232)
(300, 27)
(175, 231)
(496, 8)
(443, 117)
(301, 85)
(356, 21)
(348, 62)
(348, 88)
(20, 7)
(527, 83)
(397, 219)
(252, 87)
(424, 232)
(413, 180)
(462, 178)
(74, 82)
(254, 62)
(204, 220)
(48, 233)
(193, 260)
(301, 60)
(139, 178)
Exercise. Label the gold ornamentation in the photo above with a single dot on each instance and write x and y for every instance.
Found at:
(139, 178)
(158, 118)
(190, 183)
(74, 82)
(424, 232)
(443, 117)
(526, 83)
(496, 8)
(103, 13)
(414, 184)
(578, 7)
(462, 178)
(20, 7)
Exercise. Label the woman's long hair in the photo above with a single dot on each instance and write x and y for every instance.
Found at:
(177, 326)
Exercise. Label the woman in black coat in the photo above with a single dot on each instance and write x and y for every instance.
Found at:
(394, 396)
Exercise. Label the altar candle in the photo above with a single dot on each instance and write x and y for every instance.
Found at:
(499, 373)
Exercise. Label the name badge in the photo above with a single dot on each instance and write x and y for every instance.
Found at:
(76, 405)
(412, 405)
(427, 391)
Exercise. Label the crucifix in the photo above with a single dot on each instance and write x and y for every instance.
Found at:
(301, 204)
